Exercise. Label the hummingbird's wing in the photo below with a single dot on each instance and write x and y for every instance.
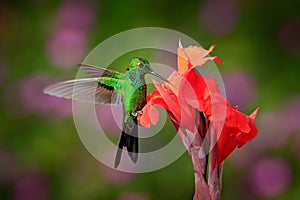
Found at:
(94, 71)
(86, 90)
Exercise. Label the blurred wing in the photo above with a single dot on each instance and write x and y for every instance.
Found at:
(95, 71)
(85, 90)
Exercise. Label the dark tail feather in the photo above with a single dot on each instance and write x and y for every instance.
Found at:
(131, 142)
(120, 149)
(133, 147)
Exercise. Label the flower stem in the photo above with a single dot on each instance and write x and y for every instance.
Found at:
(201, 187)
(215, 177)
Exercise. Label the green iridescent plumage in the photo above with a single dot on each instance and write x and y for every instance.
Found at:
(107, 86)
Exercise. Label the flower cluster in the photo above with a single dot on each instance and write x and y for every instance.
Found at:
(205, 120)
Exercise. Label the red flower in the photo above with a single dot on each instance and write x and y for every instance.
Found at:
(196, 106)
(188, 93)
(237, 129)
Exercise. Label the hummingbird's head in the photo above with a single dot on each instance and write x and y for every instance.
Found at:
(140, 63)
(144, 67)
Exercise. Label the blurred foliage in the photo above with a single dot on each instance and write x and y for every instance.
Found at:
(47, 148)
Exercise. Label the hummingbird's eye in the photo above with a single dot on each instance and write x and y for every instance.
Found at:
(141, 65)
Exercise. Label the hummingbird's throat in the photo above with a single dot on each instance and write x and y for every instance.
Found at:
(137, 79)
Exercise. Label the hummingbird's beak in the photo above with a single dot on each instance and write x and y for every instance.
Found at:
(158, 76)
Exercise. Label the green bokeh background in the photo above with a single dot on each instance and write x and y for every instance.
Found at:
(52, 149)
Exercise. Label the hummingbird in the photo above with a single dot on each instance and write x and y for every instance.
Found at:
(111, 87)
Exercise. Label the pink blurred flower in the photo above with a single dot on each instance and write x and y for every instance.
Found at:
(31, 187)
(68, 42)
(26, 96)
(288, 35)
(240, 88)
(67, 47)
(132, 196)
(33, 98)
(219, 17)
(270, 177)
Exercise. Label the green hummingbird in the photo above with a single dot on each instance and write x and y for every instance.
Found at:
(111, 87)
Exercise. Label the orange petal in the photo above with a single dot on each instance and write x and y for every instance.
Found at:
(193, 56)
(182, 61)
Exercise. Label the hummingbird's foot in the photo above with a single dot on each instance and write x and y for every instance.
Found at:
(139, 112)
(136, 113)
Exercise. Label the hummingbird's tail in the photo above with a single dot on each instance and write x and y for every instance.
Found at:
(129, 139)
